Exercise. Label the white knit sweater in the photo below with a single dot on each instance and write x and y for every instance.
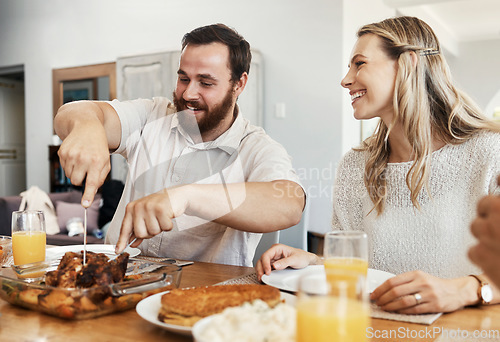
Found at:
(436, 238)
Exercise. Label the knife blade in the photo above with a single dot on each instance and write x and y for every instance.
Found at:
(85, 237)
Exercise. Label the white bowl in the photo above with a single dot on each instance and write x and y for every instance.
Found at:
(199, 327)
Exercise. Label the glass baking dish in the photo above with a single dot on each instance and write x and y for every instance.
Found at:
(142, 279)
(5, 249)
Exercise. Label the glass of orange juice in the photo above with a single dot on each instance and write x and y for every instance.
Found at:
(327, 312)
(28, 236)
(346, 257)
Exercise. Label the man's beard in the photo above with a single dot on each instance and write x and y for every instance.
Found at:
(211, 118)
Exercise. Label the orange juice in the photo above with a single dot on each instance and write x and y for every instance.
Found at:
(346, 270)
(331, 318)
(28, 247)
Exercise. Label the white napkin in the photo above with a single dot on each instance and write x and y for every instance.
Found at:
(428, 319)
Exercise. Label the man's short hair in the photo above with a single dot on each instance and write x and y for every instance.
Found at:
(240, 55)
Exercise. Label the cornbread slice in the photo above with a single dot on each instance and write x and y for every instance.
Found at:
(187, 306)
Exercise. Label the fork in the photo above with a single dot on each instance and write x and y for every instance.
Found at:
(117, 255)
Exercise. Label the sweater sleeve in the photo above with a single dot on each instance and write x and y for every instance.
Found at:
(494, 158)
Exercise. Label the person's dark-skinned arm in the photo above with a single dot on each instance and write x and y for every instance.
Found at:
(486, 228)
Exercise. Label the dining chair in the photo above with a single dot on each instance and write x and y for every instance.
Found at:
(295, 236)
(266, 241)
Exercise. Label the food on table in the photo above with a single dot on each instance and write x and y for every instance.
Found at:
(71, 273)
(256, 320)
(77, 291)
(187, 306)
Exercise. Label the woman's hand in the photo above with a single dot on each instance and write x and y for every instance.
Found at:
(281, 256)
(418, 292)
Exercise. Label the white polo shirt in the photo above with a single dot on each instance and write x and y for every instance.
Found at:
(160, 154)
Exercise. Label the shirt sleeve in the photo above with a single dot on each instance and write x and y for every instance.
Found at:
(265, 160)
(133, 116)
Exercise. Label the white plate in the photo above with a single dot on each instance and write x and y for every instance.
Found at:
(287, 279)
(58, 252)
(149, 307)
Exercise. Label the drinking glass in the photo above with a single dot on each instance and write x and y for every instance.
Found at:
(346, 257)
(28, 236)
(327, 312)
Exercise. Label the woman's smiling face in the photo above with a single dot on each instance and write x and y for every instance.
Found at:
(370, 79)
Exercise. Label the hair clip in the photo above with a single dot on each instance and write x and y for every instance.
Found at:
(429, 52)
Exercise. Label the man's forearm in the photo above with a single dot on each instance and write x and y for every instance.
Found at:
(255, 207)
(90, 115)
(73, 113)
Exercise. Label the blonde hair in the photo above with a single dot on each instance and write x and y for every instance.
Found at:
(426, 104)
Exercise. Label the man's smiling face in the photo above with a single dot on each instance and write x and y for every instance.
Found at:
(204, 88)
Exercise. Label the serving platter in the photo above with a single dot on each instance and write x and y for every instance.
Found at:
(90, 302)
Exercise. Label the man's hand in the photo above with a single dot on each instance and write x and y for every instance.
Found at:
(85, 157)
(150, 215)
(89, 130)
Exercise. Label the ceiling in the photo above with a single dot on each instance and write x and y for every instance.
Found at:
(455, 21)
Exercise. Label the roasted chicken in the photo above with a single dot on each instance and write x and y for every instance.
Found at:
(98, 271)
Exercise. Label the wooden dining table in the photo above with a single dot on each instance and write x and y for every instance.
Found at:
(18, 324)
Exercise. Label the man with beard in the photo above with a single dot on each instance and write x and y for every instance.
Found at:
(203, 183)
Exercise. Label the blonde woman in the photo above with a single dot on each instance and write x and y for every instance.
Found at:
(414, 184)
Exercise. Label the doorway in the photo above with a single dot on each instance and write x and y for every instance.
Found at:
(12, 131)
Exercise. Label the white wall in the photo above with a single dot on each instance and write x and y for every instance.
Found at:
(477, 72)
(305, 47)
(300, 42)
